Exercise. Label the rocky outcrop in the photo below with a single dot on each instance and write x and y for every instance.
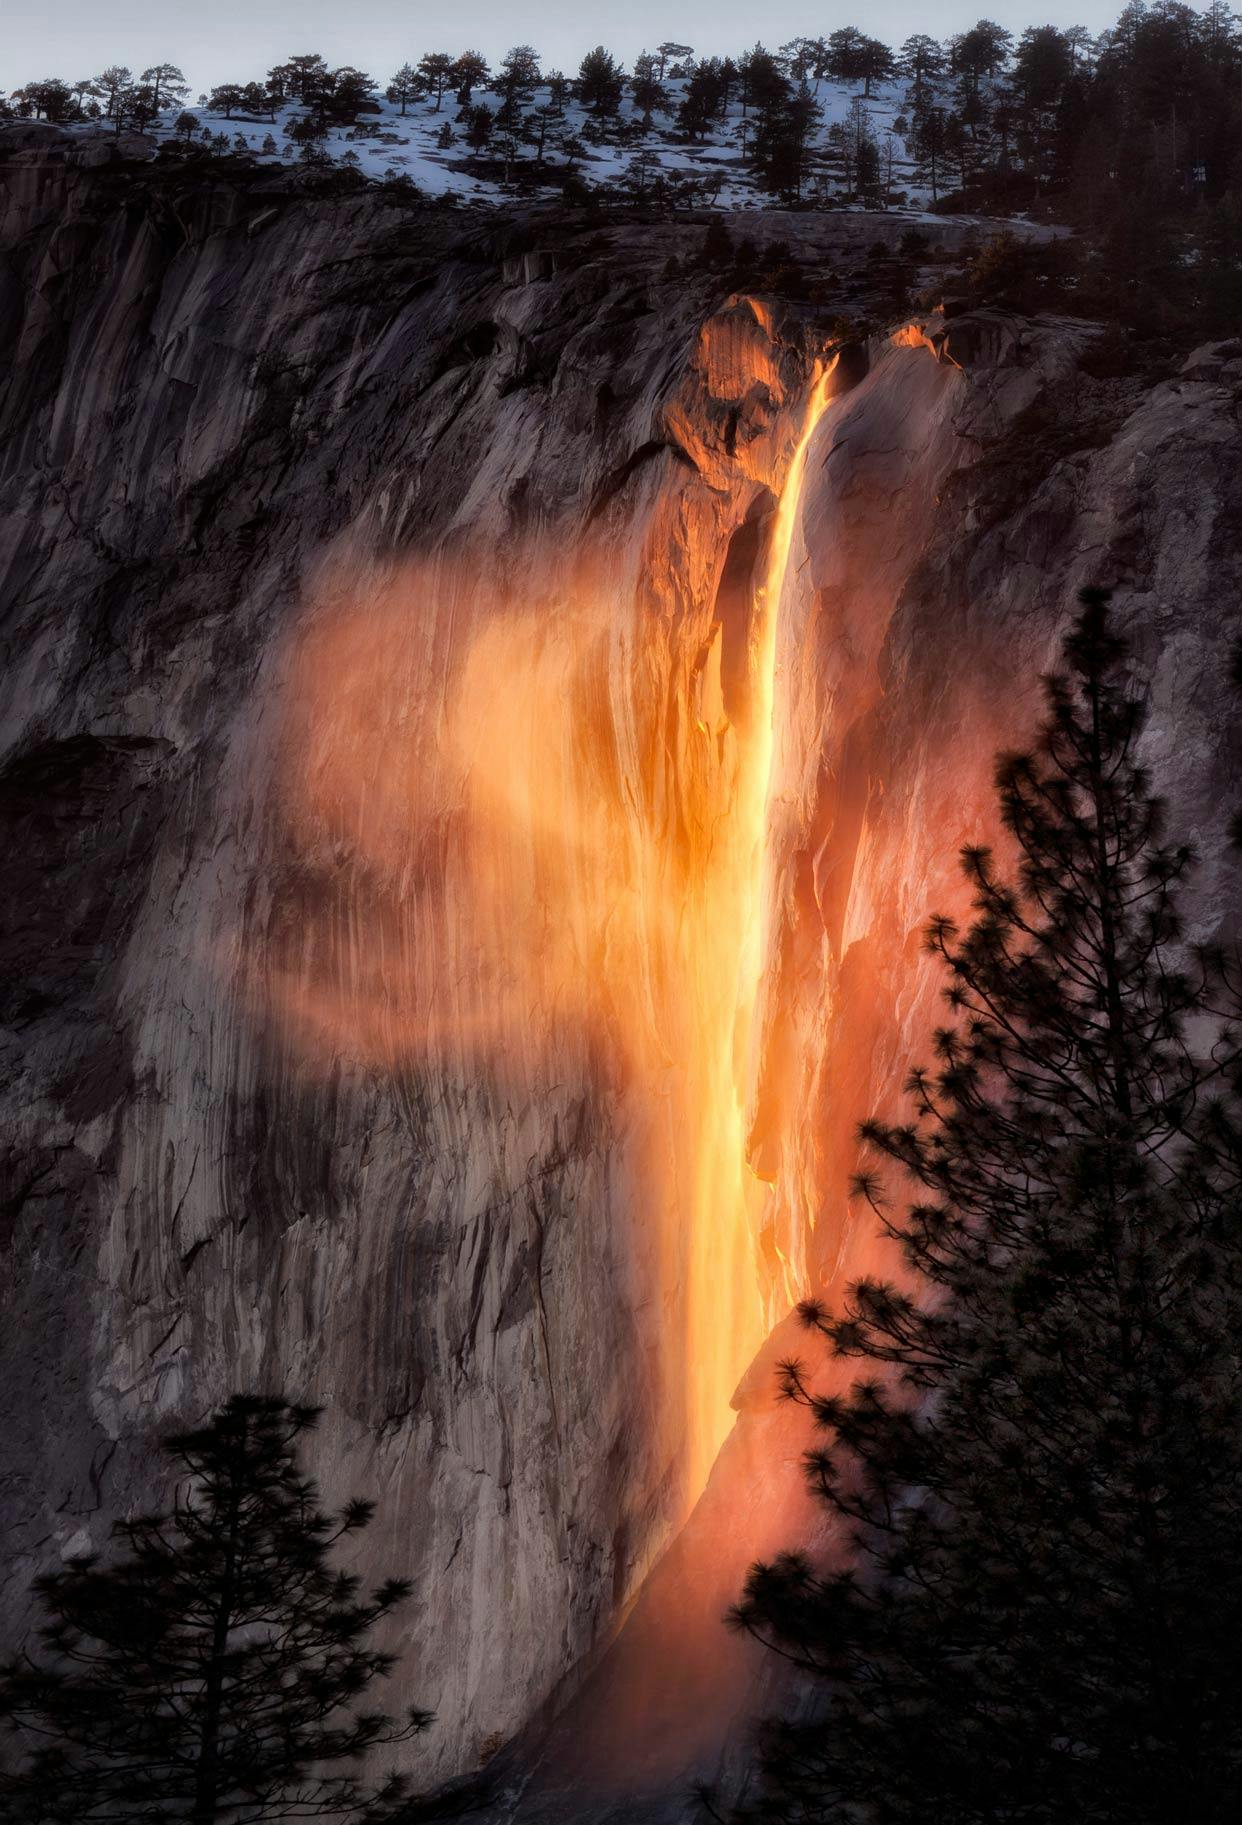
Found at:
(378, 722)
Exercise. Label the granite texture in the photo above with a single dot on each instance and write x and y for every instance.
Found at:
(377, 626)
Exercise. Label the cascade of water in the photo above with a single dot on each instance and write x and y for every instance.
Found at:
(727, 1319)
(525, 911)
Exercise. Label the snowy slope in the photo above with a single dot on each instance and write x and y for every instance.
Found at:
(389, 144)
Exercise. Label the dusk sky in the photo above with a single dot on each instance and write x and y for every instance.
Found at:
(235, 39)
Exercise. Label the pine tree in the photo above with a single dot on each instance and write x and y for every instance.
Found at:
(517, 78)
(259, 100)
(114, 85)
(784, 134)
(436, 71)
(761, 80)
(169, 87)
(212, 1672)
(846, 54)
(300, 76)
(479, 125)
(931, 147)
(49, 99)
(672, 52)
(876, 63)
(920, 61)
(142, 109)
(343, 94)
(601, 81)
(704, 98)
(226, 99)
(1035, 1613)
(470, 72)
(648, 91)
(405, 86)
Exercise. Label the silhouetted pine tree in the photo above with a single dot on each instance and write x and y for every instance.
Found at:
(1034, 1611)
(211, 1673)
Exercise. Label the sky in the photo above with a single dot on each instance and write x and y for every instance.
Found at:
(236, 40)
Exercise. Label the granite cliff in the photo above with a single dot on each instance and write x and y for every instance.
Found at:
(428, 986)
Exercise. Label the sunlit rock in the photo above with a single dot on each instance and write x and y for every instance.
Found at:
(482, 735)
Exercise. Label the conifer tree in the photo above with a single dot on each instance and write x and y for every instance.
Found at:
(169, 87)
(470, 72)
(930, 146)
(517, 78)
(672, 52)
(114, 85)
(436, 71)
(480, 123)
(876, 63)
(703, 101)
(920, 61)
(601, 81)
(406, 86)
(1033, 1609)
(784, 134)
(214, 1671)
(301, 77)
(226, 98)
(649, 92)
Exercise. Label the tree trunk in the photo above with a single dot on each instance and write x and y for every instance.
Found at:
(207, 1771)
(1112, 978)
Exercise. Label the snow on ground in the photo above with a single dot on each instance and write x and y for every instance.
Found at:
(389, 144)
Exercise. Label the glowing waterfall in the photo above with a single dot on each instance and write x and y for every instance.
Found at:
(490, 885)
(727, 1316)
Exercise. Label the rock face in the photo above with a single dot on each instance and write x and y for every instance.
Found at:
(422, 989)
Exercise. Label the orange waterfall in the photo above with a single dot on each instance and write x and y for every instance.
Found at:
(728, 1315)
(505, 907)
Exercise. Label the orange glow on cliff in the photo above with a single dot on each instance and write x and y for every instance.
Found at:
(500, 877)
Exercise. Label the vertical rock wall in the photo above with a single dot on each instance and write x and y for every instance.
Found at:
(378, 644)
(368, 761)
